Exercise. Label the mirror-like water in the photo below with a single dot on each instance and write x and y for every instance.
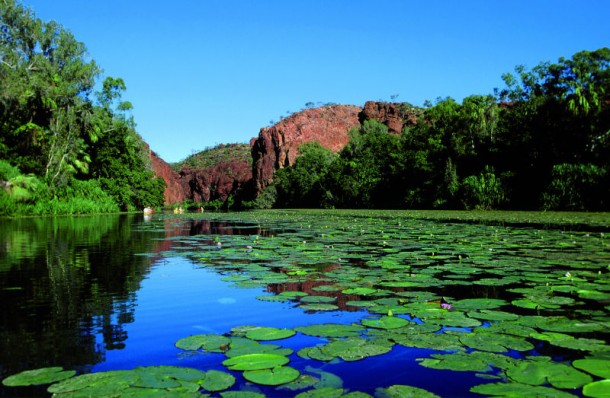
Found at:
(112, 292)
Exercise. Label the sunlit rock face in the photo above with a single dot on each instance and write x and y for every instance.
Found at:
(394, 115)
(216, 182)
(173, 190)
(276, 146)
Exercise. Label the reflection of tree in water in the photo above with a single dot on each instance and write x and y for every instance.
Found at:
(78, 281)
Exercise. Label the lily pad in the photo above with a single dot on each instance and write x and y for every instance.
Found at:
(331, 330)
(597, 367)
(38, 377)
(517, 390)
(273, 376)
(208, 342)
(385, 322)
(319, 307)
(255, 361)
(216, 380)
(402, 391)
(597, 389)
(557, 374)
(355, 348)
(266, 334)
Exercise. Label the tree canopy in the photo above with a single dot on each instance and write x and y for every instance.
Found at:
(57, 132)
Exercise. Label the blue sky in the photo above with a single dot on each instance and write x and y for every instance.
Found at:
(205, 72)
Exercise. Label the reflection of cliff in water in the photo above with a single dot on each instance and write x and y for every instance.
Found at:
(64, 281)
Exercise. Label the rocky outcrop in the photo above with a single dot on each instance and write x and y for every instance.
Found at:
(276, 146)
(394, 115)
(217, 182)
(173, 190)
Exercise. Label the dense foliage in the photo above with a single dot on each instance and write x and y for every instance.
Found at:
(209, 157)
(543, 142)
(63, 147)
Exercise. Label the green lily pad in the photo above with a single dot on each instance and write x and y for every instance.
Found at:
(597, 367)
(360, 291)
(478, 304)
(495, 342)
(355, 348)
(319, 307)
(38, 376)
(331, 330)
(568, 341)
(597, 389)
(208, 342)
(216, 380)
(518, 390)
(266, 334)
(273, 376)
(330, 392)
(557, 374)
(243, 346)
(318, 299)
(385, 322)
(255, 361)
(96, 384)
(241, 394)
(402, 391)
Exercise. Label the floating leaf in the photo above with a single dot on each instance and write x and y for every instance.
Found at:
(355, 348)
(208, 342)
(265, 334)
(597, 367)
(495, 342)
(255, 361)
(519, 390)
(272, 377)
(597, 389)
(385, 322)
(557, 374)
(360, 291)
(319, 307)
(402, 391)
(38, 376)
(216, 380)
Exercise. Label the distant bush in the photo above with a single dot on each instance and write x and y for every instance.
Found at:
(577, 187)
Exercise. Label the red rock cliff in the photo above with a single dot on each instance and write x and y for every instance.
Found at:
(276, 146)
(394, 115)
(173, 190)
(216, 182)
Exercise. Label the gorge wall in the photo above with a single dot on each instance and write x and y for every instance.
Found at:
(275, 148)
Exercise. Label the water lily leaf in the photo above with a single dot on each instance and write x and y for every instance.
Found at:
(360, 291)
(241, 394)
(242, 346)
(560, 324)
(493, 315)
(255, 361)
(266, 334)
(208, 342)
(318, 307)
(272, 377)
(495, 342)
(597, 367)
(327, 379)
(597, 389)
(38, 376)
(329, 392)
(402, 391)
(517, 390)
(293, 294)
(557, 374)
(355, 348)
(458, 362)
(441, 342)
(478, 304)
(96, 384)
(568, 341)
(302, 382)
(385, 322)
(331, 330)
(216, 380)
(315, 353)
(318, 299)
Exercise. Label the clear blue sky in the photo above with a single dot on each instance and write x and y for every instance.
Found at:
(206, 72)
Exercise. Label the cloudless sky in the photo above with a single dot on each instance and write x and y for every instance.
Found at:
(205, 72)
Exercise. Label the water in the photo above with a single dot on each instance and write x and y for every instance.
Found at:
(112, 292)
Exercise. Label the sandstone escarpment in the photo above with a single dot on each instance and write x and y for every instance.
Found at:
(217, 182)
(173, 189)
(276, 146)
(394, 115)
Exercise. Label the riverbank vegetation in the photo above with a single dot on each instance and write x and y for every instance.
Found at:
(542, 142)
(65, 147)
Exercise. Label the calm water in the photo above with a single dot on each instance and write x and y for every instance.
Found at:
(110, 292)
